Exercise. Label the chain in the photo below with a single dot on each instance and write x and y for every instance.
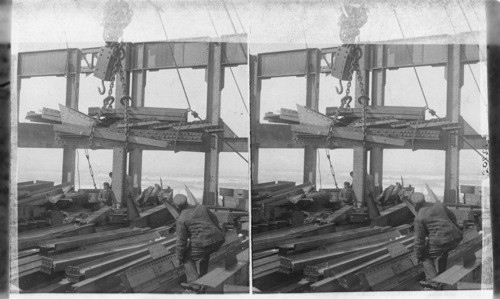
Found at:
(126, 100)
(327, 151)
(356, 52)
(90, 167)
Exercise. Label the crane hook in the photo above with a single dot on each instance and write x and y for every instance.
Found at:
(341, 88)
(103, 91)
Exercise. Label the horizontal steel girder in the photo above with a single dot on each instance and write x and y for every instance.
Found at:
(157, 55)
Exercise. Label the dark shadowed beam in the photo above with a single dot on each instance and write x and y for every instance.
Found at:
(72, 96)
(377, 99)
(215, 83)
(312, 101)
(454, 80)
(255, 88)
(120, 154)
(138, 86)
(359, 153)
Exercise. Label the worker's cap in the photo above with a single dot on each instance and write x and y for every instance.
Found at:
(417, 198)
(180, 200)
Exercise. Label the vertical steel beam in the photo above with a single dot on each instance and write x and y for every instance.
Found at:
(454, 81)
(312, 101)
(215, 81)
(378, 94)
(138, 86)
(72, 94)
(255, 88)
(359, 153)
(120, 154)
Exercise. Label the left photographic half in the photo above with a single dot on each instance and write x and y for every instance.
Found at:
(129, 147)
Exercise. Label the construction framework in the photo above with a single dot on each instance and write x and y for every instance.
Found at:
(452, 52)
(140, 58)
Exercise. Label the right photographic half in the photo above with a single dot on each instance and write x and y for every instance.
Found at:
(369, 146)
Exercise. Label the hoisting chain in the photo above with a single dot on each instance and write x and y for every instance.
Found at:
(126, 100)
(327, 151)
(118, 52)
(90, 167)
(356, 52)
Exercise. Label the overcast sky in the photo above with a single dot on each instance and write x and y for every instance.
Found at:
(272, 26)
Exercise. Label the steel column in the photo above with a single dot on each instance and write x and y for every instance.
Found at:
(454, 81)
(138, 86)
(215, 79)
(312, 101)
(72, 94)
(255, 88)
(378, 94)
(120, 154)
(359, 153)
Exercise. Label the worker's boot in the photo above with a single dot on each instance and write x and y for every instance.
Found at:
(199, 289)
(431, 285)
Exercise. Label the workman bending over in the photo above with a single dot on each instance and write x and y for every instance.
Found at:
(439, 225)
(198, 235)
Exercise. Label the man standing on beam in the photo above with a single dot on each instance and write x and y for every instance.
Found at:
(198, 236)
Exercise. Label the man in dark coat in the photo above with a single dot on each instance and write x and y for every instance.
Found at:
(198, 236)
(439, 225)
(106, 196)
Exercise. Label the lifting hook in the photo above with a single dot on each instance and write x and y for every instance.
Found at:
(108, 102)
(103, 91)
(341, 88)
